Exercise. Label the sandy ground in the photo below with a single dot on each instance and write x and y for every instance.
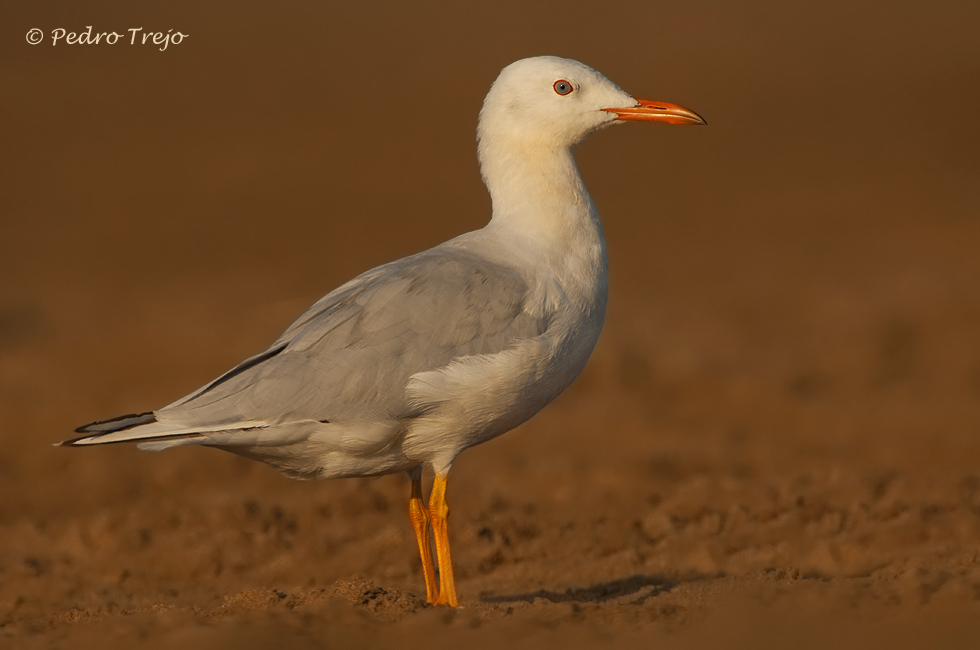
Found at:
(774, 445)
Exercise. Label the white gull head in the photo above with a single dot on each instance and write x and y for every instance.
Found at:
(550, 101)
(536, 112)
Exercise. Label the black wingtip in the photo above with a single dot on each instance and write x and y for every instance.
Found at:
(120, 423)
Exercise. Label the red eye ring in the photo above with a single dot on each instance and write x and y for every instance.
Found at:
(563, 87)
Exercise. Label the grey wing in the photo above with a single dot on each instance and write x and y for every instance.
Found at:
(350, 356)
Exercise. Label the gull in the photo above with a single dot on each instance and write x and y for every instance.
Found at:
(410, 363)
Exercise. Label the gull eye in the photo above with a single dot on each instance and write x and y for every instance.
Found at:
(563, 87)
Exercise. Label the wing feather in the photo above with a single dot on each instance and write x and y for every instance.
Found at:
(351, 355)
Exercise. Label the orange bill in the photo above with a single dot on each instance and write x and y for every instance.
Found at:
(652, 111)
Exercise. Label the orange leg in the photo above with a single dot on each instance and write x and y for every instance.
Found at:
(420, 521)
(439, 514)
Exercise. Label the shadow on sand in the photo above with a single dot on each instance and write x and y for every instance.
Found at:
(596, 593)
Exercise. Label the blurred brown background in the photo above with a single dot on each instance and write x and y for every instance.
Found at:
(775, 443)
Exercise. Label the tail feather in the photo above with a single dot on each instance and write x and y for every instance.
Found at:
(106, 439)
